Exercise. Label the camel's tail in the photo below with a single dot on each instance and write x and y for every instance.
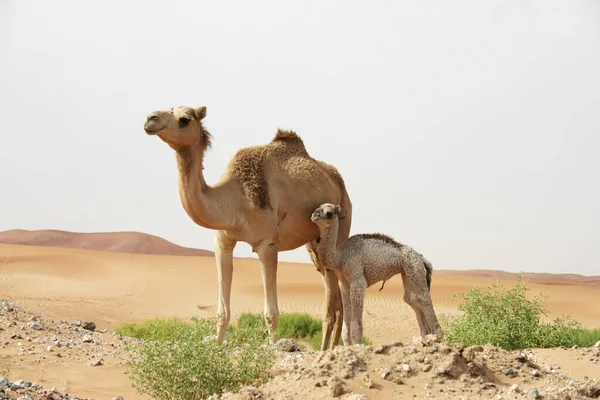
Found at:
(429, 269)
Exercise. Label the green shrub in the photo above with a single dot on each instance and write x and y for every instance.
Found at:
(507, 319)
(588, 337)
(191, 364)
(291, 325)
(157, 328)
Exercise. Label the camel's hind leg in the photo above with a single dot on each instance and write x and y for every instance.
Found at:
(416, 295)
(358, 288)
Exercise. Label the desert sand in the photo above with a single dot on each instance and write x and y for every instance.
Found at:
(110, 287)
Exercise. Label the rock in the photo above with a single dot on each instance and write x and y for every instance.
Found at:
(88, 339)
(23, 383)
(87, 325)
(380, 348)
(535, 372)
(534, 394)
(4, 382)
(26, 397)
(514, 389)
(118, 398)
(426, 368)
(417, 340)
(428, 340)
(335, 386)
(288, 345)
(356, 396)
(510, 372)
(367, 380)
(250, 393)
(597, 345)
(572, 382)
(95, 363)
(35, 325)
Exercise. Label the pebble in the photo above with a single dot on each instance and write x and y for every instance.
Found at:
(287, 345)
(35, 325)
(535, 372)
(88, 339)
(510, 372)
(335, 386)
(96, 363)
(534, 394)
(3, 381)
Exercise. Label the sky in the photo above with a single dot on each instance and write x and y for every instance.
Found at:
(469, 130)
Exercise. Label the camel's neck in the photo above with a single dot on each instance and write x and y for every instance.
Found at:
(206, 206)
(327, 247)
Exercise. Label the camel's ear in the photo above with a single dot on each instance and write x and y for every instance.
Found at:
(338, 210)
(201, 113)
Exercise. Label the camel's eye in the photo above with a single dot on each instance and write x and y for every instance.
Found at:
(153, 118)
(184, 121)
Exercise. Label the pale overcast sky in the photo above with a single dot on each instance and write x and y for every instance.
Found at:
(467, 129)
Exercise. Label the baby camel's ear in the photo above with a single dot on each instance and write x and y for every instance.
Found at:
(338, 210)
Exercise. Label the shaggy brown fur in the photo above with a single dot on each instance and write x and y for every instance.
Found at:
(248, 166)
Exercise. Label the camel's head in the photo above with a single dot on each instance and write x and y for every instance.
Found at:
(325, 213)
(179, 127)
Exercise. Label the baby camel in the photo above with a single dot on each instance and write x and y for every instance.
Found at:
(365, 259)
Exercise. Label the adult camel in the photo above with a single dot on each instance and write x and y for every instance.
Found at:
(265, 198)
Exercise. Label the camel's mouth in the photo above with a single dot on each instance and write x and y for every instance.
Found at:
(151, 131)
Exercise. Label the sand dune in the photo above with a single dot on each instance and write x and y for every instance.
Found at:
(119, 242)
(110, 287)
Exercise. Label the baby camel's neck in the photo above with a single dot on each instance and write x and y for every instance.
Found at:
(327, 247)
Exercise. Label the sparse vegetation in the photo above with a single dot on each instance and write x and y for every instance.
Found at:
(508, 319)
(157, 328)
(181, 360)
(301, 326)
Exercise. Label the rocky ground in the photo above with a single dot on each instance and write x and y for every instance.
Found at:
(423, 368)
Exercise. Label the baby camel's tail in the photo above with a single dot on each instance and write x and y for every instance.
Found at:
(429, 269)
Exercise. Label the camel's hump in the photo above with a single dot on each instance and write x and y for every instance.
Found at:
(287, 136)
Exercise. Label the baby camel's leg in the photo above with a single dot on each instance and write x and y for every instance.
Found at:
(347, 307)
(416, 294)
(358, 288)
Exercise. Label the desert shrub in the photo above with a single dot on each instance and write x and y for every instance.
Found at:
(588, 337)
(157, 328)
(191, 364)
(291, 325)
(508, 319)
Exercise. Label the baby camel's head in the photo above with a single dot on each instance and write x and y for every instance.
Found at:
(324, 214)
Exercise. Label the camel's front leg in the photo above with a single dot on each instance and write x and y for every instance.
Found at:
(224, 257)
(347, 305)
(358, 288)
(332, 322)
(267, 254)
